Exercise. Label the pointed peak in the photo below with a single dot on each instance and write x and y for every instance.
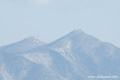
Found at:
(78, 31)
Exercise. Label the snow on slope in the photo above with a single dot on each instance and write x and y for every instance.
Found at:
(72, 57)
(22, 46)
(39, 58)
(5, 74)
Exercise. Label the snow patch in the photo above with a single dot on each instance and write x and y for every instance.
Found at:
(36, 41)
(39, 58)
(65, 51)
(4, 73)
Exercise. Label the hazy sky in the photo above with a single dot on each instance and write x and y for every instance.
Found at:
(51, 19)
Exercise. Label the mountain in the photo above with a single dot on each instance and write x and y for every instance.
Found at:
(75, 56)
(22, 46)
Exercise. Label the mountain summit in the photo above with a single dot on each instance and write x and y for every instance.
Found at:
(75, 56)
(77, 31)
(23, 45)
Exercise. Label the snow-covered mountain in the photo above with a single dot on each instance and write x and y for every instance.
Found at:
(76, 56)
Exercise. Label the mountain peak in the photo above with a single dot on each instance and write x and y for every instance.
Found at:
(78, 38)
(78, 31)
(32, 39)
(23, 45)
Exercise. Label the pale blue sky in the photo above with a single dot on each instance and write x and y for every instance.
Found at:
(51, 19)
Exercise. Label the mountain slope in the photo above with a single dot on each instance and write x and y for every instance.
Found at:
(22, 46)
(72, 57)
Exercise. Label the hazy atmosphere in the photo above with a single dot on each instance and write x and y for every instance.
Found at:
(51, 19)
(59, 40)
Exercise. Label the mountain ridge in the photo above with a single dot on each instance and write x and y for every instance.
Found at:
(74, 56)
